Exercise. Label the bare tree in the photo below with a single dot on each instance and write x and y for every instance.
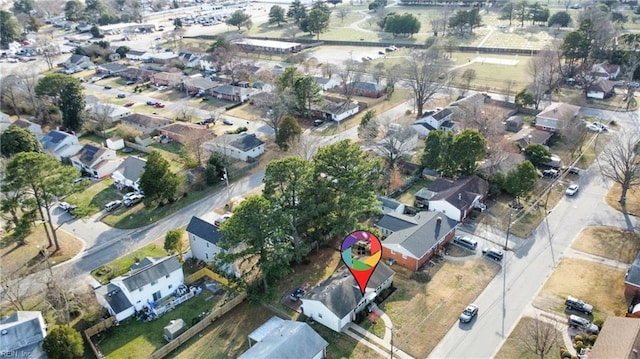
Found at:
(342, 13)
(49, 8)
(468, 76)
(184, 114)
(497, 153)
(274, 107)
(307, 146)
(397, 144)
(620, 162)
(11, 94)
(14, 289)
(216, 115)
(539, 336)
(193, 145)
(100, 115)
(427, 73)
(349, 73)
(544, 69)
(508, 89)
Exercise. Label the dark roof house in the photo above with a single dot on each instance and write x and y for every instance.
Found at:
(246, 142)
(23, 333)
(204, 230)
(149, 270)
(286, 339)
(457, 197)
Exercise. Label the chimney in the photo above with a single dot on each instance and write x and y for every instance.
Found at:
(439, 221)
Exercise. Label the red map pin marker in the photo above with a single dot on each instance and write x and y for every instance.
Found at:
(361, 267)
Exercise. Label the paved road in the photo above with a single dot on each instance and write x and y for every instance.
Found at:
(526, 269)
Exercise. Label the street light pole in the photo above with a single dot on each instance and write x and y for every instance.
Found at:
(225, 177)
(506, 240)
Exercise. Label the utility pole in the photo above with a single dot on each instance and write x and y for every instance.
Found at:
(506, 241)
(225, 177)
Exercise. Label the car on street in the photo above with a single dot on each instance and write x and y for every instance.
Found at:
(465, 242)
(129, 104)
(159, 105)
(583, 324)
(222, 218)
(296, 294)
(578, 305)
(112, 205)
(133, 200)
(130, 82)
(227, 122)
(107, 87)
(122, 95)
(493, 253)
(572, 190)
(67, 207)
(151, 103)
(469, 313)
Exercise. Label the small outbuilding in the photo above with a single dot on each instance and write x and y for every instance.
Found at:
(513, 123)
(174, 329)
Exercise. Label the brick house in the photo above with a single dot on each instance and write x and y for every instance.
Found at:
(136, 74)
(182, 132)
(170, 79)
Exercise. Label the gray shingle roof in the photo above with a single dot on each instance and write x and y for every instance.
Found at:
(290, 340)
(148, 121)
(159, 268)
(23, 330)
(424, 193)
(132, 168)
(395, 223)
(366, 86)
(442, 114)
(423, 237)
(340, 293)
(389, 202)
(246, 142)
(113, 67)
(117, 300)
(633, 274)
(204, 230)
(459, 193)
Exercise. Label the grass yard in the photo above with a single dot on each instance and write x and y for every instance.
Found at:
(246, 112)
(609, 242)
(138, 339)
(493, 77)
(632, 205)
(598, 284)
(121, 265)
(513, 347)
(408, 196)
(423, 313)
(95, 196)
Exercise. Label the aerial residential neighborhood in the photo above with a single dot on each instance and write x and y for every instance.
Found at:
(178, 178)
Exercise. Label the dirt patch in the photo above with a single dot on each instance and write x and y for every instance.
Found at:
(513, 347)
(20, 260)
(598, 284)
(609, 242)
(632, 206)
(423, 313)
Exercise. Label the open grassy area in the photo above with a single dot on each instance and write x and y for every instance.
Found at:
(632, 205)
(598, 284)
(609, 242)
(138, 339)
(121, 265)
(513, 347)
(95, 196)
(423, 313)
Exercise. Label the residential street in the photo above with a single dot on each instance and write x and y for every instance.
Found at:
(526, 269)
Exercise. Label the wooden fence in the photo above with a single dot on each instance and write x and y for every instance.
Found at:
(206, 272)
(138, 147)
(100, 327)
(198, 327)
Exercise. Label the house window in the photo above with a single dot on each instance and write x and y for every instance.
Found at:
(140, 289)
(156, 296)
(207, 244)
(154, 282)
(206, 255)
(138, 302)
(170, 286)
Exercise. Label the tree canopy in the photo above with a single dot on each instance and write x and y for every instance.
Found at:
(288, 131)
(68, 94)
(562, 19)
(537, 153)
(454, 155)
(317, 20)
(9, 28)
(465, 20)
(277, 15)
(157, 180)
(15, 140)
(520, 180)
(63, 342)
(238, 19)
(401, 25)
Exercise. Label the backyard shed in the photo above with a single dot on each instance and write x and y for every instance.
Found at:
(174, 329)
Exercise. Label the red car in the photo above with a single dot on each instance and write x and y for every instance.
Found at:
(159, 105)
(129, 104)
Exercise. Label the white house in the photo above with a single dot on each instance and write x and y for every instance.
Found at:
(454, 198)
(335, 302)
(327, 83)
(99, 162)
(129, 172)
(135, 55)
(22, 335)
(5, 121)
(32, 127)
(339, 111)
(60, 144)
(245, 147)
(147, 282)
(600, 89)
(203, 239)
(115, 143)
(390, 205)
(106, 110)
(431, 121)
(285, 339)
(556, 117)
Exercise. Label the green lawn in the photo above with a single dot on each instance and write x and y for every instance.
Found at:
(96, 196)
(138, 339)
(121, 265)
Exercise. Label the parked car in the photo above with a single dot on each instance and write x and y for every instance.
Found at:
(151, 103)
(572, 190)
(112, 205)
(601, 126)
(133, 200)
(130, 82)
(122, 95)
(578, 305)
(130, 195)
(222, 218)
(159, 105)
(107, 87)
(593, 128)
(465, 242)
(584, 324)
(575, 171)
(318, 122)
(129, 104)
(469, 313)
(550, 173)
(227, 122)
(296, 294)
(493, 253)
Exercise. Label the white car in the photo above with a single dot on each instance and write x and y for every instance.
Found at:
(601, 126)
(572, 190)
(593, 128)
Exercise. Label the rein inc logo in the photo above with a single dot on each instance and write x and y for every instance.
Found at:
(355, 248)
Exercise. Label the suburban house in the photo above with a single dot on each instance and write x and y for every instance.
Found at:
(326, 83)
(188, 58)
(472, 105)
(455, 198)
(22, 335)
(513, 123)
(334, 111)
(28, 125)
(160, 58)
(605, 70)
(556, 117)
(285, 339)
(280, 47)
(147, 282)
(170, 79)
(60, 144)
(530, 135)
(618, 338)
(390, 205)
(115, 143)
(335, 302)
(135, 54)
(632, 281)
(412, 241)
(601, 88)
(367, 89)
(207, 64)
(77, 62)
(203, 239)
(145, 123)
(107, 110)
(136, 74)
(431, 121)
(245, 147)
(110, 68)
(114, 56)
(129, 172)
(194, 85)
(99, 162)
(232, 93)
(183, 132)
